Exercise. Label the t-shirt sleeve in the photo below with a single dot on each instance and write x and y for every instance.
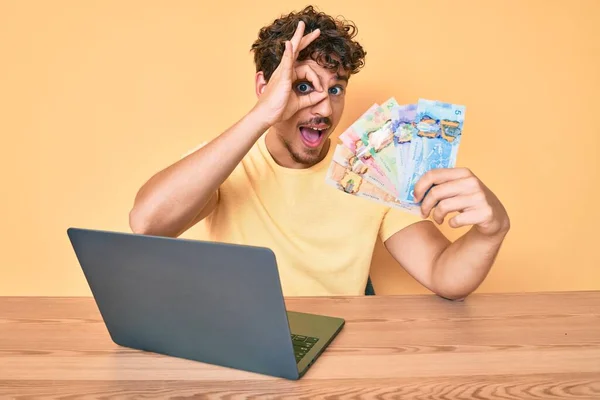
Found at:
(394, 220)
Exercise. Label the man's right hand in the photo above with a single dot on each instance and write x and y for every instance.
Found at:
(176, 198)
(279, 101)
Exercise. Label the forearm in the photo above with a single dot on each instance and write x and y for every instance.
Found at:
(172, 198)
(463, 265)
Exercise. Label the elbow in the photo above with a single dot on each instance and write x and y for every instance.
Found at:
(144, 222)
(452, 293)
(138, 222)
(453, 297)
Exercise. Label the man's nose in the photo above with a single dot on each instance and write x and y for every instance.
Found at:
(323, 108)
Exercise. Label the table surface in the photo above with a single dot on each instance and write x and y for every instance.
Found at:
(509, 346)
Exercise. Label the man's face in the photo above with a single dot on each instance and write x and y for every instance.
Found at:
(305, 135)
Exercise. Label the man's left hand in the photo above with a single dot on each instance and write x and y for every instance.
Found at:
(459, 190)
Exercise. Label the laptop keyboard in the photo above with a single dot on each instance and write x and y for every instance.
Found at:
(302, 344)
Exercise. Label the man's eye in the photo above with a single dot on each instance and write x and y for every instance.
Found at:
(304, 87)
(336, 90)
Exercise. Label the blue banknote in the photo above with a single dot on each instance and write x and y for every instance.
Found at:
(434, 144)
(403, 126)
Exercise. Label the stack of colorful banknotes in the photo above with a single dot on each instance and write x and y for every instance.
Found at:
(391, 146)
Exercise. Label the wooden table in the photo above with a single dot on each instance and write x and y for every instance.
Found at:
(509, 346)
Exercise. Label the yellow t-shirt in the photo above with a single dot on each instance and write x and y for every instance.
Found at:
(323, 238)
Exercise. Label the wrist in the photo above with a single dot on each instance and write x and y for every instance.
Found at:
(260, 118)
(496, 237)
(257, 118)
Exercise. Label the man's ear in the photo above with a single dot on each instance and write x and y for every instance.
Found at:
(260, 83)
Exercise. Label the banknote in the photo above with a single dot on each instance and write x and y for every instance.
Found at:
(352, 183)
(349, 139)
(388, 143)
(435, 144)
(403, 121)
(346, 158)
(357, 140)
(389, 148)
(350, 136)
(365, 127)
(379, 146)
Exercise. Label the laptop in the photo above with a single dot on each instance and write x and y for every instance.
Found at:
(216, 303)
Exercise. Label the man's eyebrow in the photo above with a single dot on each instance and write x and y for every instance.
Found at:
(341, 78)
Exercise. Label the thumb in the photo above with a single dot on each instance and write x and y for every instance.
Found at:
(311, 99)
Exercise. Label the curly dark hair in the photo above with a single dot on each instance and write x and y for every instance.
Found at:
(333, 48)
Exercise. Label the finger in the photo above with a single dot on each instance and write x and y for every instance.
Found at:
(308, 39)
(306, 72)
(470, 217)
(438, 176)
(287, 57)
(443, 191)
(311, 99)
(453, 204)
(297, 37)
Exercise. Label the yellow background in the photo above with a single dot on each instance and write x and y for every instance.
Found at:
(95, 96)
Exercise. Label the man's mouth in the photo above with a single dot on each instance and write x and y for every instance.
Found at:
(312, 135)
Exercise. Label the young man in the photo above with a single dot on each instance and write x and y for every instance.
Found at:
(269, 189)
